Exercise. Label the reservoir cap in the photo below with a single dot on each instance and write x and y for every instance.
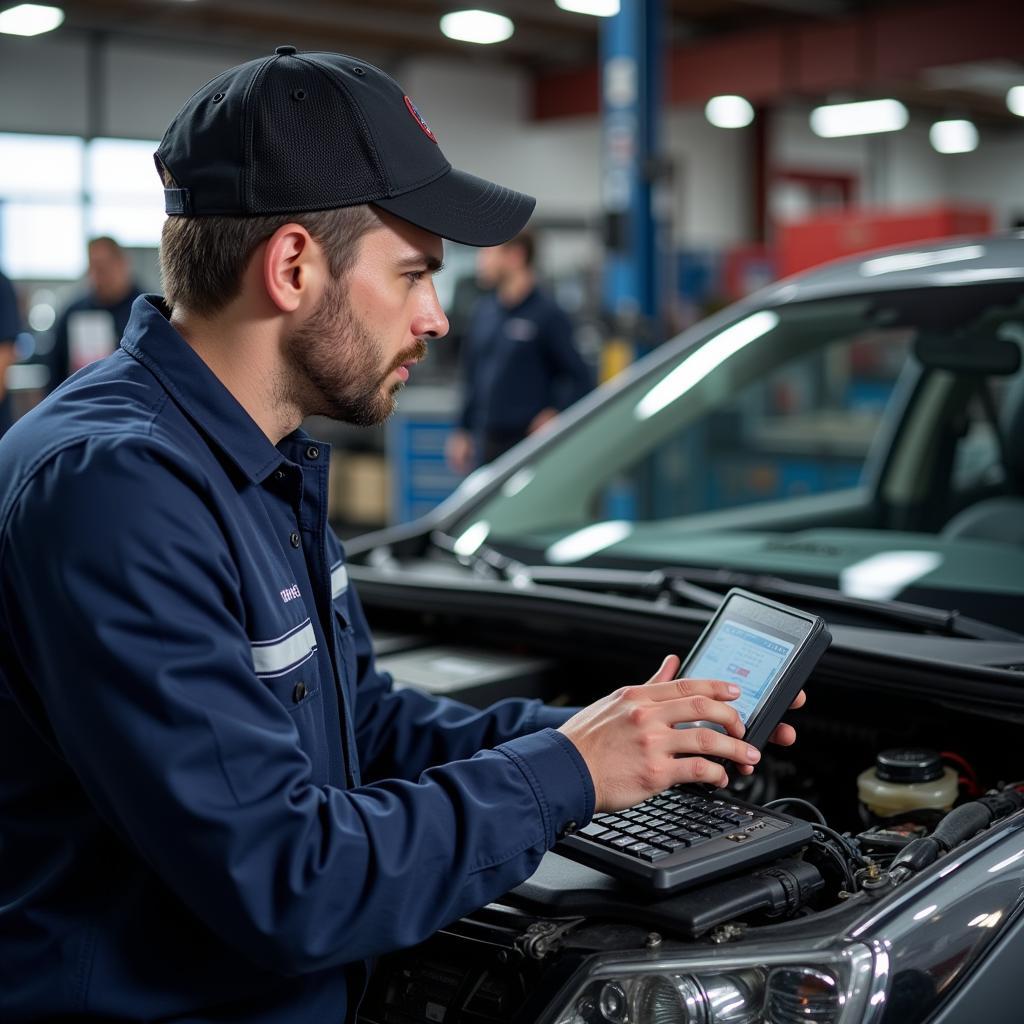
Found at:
(908, 764)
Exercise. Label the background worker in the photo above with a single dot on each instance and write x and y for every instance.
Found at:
(91, 326)
(520, 365)
(10, 325)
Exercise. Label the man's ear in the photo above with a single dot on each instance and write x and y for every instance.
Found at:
(290, 267)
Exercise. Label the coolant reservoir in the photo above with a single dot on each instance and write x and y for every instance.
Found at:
(905, 779)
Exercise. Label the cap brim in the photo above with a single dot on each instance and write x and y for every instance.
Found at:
(464, 208)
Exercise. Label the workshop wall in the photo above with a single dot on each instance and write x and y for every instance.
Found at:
(78, 86)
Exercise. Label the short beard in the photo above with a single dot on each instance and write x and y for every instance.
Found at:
(335, 365)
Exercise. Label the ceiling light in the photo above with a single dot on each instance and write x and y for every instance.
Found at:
(866, 118)
(30, 19)
(729, 111)
(598, 8)
(1015, 100)
(957, 136)
(476, 26)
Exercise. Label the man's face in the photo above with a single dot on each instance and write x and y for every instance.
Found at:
(110, 276)
(353, 354)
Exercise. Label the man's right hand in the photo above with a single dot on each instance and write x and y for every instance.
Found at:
(632, 750)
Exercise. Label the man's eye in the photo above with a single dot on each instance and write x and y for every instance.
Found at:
(415, 275)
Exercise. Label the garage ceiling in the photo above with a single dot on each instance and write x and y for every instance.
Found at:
(550, 42)
(545, 35)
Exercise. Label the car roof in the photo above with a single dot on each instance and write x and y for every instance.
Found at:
(948, 261)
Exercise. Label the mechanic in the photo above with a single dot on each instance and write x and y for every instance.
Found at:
(213, 806)
(520, 366)
(89, 328)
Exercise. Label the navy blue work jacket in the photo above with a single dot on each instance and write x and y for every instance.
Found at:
(212, 806)
(517, 361)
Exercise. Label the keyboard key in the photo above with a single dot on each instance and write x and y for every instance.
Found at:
(683, 833)
(672, 845)
(621, 842)
(666, 844)
(592, 831)
(653, 854)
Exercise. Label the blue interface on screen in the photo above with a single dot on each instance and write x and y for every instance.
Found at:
(744, 656)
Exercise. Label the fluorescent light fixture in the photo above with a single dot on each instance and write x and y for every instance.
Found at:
(1015, 100)
(476, 26)
(884, 576)
(920, 260)
(598, 8)
(30, 19)
(729, 111)
(470, 540)
(588, 541)
(865, 118)
(694, 368)
(957, 136)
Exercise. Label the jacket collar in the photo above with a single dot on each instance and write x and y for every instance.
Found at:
(150, 338)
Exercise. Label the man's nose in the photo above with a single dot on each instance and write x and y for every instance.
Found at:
(431, 323)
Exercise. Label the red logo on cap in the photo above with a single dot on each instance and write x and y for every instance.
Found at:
(418, 117)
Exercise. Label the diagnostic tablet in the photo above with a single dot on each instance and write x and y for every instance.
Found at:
(767, 649)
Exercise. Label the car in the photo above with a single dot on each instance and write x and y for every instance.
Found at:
(849, 441)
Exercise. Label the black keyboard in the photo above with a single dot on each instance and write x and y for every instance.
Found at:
(683, 837)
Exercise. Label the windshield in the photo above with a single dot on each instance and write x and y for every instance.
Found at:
(870, 442)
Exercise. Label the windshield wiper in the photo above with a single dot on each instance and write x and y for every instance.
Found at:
(947, 622)
(483, 560)
(680, 586)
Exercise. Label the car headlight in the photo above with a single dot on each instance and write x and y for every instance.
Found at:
(762, 986)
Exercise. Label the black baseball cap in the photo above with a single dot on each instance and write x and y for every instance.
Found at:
(297, 132)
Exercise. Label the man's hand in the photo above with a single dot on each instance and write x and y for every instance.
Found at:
(459, 451)
(632, 750)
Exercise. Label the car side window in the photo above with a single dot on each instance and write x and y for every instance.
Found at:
(978, 459)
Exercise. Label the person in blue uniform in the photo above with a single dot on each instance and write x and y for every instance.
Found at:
(91, 326)
(213, 806)
(10, 326)
(520, 365)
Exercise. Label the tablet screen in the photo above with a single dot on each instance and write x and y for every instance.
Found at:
(741, 654)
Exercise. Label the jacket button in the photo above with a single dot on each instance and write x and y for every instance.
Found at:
(299, 692)
(312, 452)
(295, 539)
(278, 474)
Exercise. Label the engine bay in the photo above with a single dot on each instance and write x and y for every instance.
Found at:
(955, 757)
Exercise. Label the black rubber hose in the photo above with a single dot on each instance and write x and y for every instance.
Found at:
(961, 823)
(957, 827)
